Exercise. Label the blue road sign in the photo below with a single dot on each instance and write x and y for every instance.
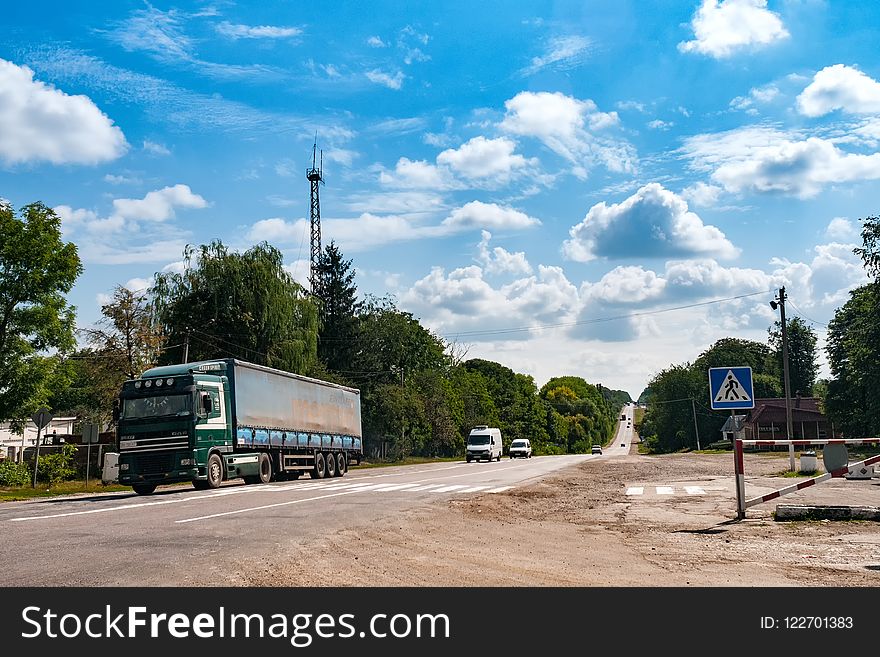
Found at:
(730, 388)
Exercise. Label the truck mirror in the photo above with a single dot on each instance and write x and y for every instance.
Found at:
(206, 403)
(116, 410)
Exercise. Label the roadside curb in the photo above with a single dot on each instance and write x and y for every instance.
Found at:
(806, 512)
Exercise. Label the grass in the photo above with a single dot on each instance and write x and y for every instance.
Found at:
(17, 493)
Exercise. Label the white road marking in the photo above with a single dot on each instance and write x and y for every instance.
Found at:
(392, 487)
(266, 506)
(500, 489)
(473, 489)
(694, 490)
(635, 490)
(425, 487)
(664, 490)
(446, 489)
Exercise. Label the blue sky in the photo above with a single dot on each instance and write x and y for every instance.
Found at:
(534, 181)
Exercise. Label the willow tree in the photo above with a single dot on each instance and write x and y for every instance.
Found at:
(236, 305)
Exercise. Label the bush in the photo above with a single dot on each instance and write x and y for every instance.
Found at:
(14, 474)
(59, 466)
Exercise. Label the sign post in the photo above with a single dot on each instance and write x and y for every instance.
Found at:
(732, 388)
(41, 418)
(89, 436)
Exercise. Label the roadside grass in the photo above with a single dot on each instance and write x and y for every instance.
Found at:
(410, 460)
(18, 493)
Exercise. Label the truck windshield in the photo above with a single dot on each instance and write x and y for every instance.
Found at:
(155, 406)
(518, 443)
(478, 440)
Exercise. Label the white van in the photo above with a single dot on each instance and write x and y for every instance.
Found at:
(484, 443)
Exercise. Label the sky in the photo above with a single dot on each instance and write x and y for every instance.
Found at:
(598, 189)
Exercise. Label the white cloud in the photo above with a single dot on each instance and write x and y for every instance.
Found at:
(477, 214)
(277, 230)
(563, 52)
(39, 123)
(418, 174)
(121, 180)
(155, 149)
(157, 205)
(376, 42)
(763, 159)
(764, 94)
(657, 124)
(840, 87)
(394, 81)
(568, 127)
(233, 31)
(841, 228)
(484, 158)
(653, 222)
(499, 260)
(722, 28)
(138, 284)
(701, 194)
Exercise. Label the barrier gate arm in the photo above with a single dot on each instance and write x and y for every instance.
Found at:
(742, 503)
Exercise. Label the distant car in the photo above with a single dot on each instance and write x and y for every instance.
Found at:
(520, 448)
(623, 444)
(597, 449)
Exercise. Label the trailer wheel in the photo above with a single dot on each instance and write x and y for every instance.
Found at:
(341, 465)
(215, 471)
(319, 470)
(265, 463)
(330, 459)
(144, 489)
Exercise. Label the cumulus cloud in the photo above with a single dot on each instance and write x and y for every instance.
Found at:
(418, 174)
(701, 194)
(840, 87)
(477, 214)
(724, 27)
(841, 229)
(653, 223)
(757, 95)
(484, 158)
(499, 260)
(155, 149)
(569, 127)
(158, 205)
(277, 230)
(39, 123)
(763, 159)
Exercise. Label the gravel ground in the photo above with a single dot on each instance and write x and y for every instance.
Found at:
(580, 528)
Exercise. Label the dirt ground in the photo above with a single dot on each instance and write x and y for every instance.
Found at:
(580, 528)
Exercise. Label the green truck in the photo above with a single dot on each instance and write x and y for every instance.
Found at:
(211, 421)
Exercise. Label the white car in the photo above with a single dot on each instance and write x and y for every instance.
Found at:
(520, 448)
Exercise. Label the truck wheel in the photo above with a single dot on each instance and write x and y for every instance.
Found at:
(265, 463)
(319, 471)
(215, 471)
(340, 464)
(144, 489)
(330, 460)
(468, 459)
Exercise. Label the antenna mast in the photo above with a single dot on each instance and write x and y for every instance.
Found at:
(315, 176)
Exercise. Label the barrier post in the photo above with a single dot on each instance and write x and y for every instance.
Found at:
(740, 479)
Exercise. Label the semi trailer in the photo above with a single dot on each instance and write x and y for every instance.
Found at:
(211, 421)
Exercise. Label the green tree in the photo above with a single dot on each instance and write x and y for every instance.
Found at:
(240, 305)
(37, 270)
(802, 367)
(339, 309)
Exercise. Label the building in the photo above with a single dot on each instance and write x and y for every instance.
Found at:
(766, 421)
(58, 429)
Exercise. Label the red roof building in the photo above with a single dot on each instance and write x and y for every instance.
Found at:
(766, 421)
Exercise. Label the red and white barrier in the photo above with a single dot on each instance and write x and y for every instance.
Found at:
(742, 503)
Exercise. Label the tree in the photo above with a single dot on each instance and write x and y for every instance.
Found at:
(339, 309)
(37, 270)
(869, 252)
(802, 367)
(239, 305)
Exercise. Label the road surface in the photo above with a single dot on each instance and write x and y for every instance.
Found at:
(180, 537)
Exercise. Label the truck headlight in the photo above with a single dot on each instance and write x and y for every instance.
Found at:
(186, 461)
(123, 466)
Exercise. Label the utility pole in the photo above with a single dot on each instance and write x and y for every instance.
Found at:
(186, 348)
(315, 176)
(788, 423)
(696, 428)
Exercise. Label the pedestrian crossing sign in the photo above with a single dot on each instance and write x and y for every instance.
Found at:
(730, 388)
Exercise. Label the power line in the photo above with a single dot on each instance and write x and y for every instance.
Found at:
(597, 320)
(800, 312)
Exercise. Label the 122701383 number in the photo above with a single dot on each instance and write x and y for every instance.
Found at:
(818, 622)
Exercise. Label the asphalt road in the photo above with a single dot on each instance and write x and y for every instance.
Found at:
(183, 537)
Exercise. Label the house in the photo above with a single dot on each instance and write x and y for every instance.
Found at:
(766, 421)
(58, 429)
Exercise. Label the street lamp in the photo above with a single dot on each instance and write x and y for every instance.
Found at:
(779, 303)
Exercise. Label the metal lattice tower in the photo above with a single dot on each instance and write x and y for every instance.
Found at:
(315, 176)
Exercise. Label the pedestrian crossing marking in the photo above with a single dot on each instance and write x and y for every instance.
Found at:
(664, 490)
(694, 490)
(635, 490)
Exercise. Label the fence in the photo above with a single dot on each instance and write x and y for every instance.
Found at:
(742, 503)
